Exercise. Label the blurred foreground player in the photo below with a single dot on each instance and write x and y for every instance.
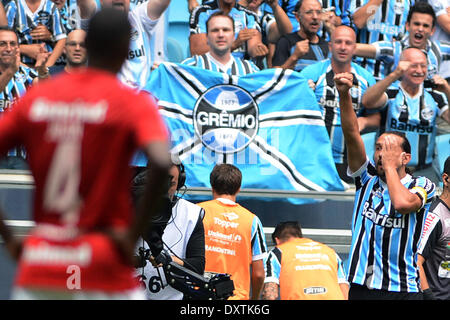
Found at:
(80, 131)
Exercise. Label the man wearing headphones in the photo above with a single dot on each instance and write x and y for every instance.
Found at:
(183, 239)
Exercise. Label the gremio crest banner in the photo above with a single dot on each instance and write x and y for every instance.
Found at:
(268, 124)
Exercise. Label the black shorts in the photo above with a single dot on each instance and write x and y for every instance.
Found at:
(358, 292)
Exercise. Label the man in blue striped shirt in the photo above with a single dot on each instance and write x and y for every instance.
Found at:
(220, 37)
(413, 109)
(389, 212)
(27, 16)
(320, 76)
(15, 80)
(248, 40)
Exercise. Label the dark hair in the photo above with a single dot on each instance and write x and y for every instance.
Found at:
(422, 7)
(108, 35)
(447, 166)
(219, 13)
(225, 179)
(287, 229)
(298, 5)
(6, 28)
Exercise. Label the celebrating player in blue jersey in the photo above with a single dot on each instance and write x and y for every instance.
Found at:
(220, 35)
(412, 109)
(389, 212)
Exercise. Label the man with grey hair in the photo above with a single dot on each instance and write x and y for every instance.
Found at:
(304, 47)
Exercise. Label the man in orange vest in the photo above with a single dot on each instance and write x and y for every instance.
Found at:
(234, 237)
(302, 269)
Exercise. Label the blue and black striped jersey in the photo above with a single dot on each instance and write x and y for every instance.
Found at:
(236, 67)
(328, 98)
(384, 241)
(23, 21)
(416, 117)
(16, 88)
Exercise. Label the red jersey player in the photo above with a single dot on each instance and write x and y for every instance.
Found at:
(80, 131)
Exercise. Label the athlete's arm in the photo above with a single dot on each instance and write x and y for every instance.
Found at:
(270, 291)
(355, 146)
(258, 276)
(423, 278)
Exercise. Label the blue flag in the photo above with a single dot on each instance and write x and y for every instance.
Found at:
(268, 124)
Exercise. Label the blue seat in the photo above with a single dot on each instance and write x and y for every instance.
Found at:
(179, 30)
(441, 152)
(174, 51)
(178, 19)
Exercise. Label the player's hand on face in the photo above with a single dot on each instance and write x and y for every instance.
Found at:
(392, 155)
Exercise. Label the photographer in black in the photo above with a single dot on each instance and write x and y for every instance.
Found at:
(176, 234)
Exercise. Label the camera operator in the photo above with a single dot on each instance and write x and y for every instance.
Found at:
(180, 235)
(411, 108)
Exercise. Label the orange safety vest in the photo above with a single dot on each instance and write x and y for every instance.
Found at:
(309, 271)
(228, 248)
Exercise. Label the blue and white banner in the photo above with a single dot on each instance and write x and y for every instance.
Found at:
(268, 124)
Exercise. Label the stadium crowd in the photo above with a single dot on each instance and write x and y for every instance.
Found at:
(387, 61)
(286, 34)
